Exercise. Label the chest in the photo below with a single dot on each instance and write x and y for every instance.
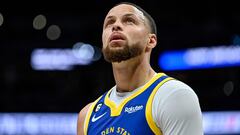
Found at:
(132, 120)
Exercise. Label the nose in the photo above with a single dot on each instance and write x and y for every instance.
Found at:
(116, 27)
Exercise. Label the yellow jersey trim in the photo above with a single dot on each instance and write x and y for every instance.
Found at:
(148, 111)
(90, 110)
(116, 110)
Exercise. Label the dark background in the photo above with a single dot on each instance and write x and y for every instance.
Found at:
(180, 25)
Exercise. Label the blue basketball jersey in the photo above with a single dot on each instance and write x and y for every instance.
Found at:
(133, 116)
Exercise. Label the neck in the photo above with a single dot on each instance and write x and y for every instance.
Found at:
(132, 73)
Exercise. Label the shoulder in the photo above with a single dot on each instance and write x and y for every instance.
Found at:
(176, 102)
(174, 87)
(81, 118)
(175, 93)
(84, 111)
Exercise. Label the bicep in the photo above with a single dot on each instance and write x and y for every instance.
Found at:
(81, 119)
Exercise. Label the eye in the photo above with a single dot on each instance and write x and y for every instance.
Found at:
(108, 22)
(129, 20)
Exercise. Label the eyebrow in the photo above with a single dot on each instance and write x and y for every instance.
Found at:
(129, 14)
(109, 17)
(135, 16)
(126, 15)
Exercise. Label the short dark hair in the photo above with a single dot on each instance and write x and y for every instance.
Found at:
(151, 22)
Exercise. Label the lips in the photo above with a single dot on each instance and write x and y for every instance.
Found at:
(117, 36)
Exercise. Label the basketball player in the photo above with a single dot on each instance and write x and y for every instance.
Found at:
(142, 102)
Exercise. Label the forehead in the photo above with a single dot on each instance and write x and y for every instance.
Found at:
(123, 9)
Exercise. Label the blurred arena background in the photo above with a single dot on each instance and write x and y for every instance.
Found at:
(52, 66)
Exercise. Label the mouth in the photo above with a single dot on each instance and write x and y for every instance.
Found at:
(116, 37)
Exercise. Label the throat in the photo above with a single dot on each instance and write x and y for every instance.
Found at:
(132, 74)
(130, 84)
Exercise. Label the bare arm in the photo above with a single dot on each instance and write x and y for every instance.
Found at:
(81, 118)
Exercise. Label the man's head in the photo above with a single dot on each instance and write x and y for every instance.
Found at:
(128, 32)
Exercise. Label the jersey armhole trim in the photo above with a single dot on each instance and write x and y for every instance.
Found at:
(148, 111)
(89, 112)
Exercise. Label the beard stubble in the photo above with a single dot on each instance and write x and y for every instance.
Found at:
(118, 55)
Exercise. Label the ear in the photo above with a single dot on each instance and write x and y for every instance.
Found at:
(152, 41)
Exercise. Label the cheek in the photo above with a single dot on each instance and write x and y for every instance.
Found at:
(139, 35)
(104, 39)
